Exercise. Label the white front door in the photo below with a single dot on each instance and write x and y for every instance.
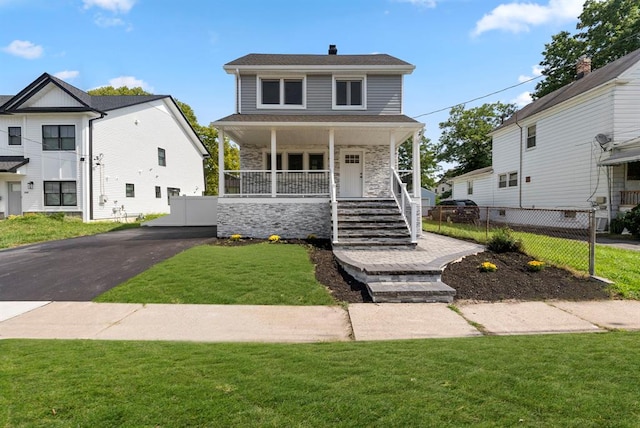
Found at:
(351, 167)
(14, 200)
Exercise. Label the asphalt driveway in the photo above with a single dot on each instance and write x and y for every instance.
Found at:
(80, 269)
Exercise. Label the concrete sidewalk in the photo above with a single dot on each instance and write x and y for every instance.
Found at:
(298, 324)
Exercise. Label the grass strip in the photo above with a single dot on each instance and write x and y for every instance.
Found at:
(571, 380)
(259, 274)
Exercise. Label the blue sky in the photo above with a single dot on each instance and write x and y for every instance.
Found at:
(462, 49)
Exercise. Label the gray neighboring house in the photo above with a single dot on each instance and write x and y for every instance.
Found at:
(428, 200)
(315, 132)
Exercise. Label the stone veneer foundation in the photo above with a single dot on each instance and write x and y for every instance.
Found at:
(285, 217)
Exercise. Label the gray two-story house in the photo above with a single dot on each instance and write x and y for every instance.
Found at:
(318, 138)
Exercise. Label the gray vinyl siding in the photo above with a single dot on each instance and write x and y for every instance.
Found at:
(384, 96)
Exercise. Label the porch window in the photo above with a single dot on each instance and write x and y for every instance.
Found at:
(278, 162)
(316, 161)
(281, 92)
(531, 136)
(60, 193)
(348, 93)
(295, 162)
(633, 171)
(15, 136)
(58, 137)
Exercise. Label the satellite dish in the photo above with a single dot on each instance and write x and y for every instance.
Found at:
(602, 139)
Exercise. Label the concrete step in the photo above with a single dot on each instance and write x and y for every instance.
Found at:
(411, 292)
(382, 225)
(368, 211)
(370, 218)
(365, 242)
(373, 233)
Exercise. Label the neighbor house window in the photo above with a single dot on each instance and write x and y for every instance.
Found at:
(15, 136)
(130, 190)
(281, 92)
(508, 180)
(531, 137)
(469, 187)
(162, 157)
(348, 93)
(158, 192)
(60, 193)
(172, 191)
(58, 137)
(633, 171)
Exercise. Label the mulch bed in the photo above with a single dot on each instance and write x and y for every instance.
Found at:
(511, 281)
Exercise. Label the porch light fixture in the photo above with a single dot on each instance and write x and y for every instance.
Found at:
(30, 185)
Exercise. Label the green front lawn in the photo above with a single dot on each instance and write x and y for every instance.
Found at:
(615, 264)
(571, 380)
(258, 274)
(32, 228)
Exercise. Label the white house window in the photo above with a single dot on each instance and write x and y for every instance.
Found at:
(278, 162)
(158, 192)
(15, 136)
(513, 179)
(60, 193)
(162, 157)
(295, 162)
(531, 136)
(349, 93)
(508, 180)
(58, 137)
(316, 161)
(281, 92)
(469, 187)
(130, 190)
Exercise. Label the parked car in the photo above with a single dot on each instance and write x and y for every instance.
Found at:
(456, 211)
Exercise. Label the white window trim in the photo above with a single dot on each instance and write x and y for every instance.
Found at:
(526, 140)
(361, 77)
(305, 158)
(506, 175)
(282, 105)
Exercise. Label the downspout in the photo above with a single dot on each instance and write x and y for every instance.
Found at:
(520, 166)
(91, 164)
(238, 92)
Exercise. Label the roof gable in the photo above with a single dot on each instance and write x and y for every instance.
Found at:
(591, 81)
(51, 96)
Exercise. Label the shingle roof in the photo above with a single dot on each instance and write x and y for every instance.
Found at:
(315, 60)
(590, 81)
(12, 163)
(112, 102)
(327, 118)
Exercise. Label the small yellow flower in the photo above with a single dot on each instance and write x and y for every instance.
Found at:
(235, 237)
(488, 267)
(535, 266)
(274, 238)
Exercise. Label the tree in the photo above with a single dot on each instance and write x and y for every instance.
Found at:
(465, 136)
(428, 164)
(608, 30)
(207, 134)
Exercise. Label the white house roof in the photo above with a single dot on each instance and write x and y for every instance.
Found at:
(474, 173)
(623, 156)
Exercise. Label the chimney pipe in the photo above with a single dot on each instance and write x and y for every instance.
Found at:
(583, 67)
(333, 50)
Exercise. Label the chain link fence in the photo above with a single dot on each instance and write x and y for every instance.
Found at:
(561, 237)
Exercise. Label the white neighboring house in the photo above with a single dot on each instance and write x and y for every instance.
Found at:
(575, 148)
(63, 150)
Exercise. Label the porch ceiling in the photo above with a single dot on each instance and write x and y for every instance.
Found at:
(314, 130)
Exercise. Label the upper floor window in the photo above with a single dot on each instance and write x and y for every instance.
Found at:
(531, 137)
(58, 137)
(162, 157)
(281, 92)
(15, 136)
(348, 93)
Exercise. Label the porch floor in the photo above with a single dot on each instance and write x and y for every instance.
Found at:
(406, 274)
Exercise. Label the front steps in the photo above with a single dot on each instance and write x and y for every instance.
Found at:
(371, 222)
(398, 283)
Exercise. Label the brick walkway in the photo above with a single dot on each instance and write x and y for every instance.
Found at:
(432, 253)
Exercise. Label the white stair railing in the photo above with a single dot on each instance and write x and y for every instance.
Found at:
(334, 210)
(408, 207)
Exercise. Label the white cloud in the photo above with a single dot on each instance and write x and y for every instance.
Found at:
(130, 82)
(536, 71)
(24, 49)
(67, 74)
(422, 3)
(523, 99)
(104, 22)
(116, 6)
(520, 17)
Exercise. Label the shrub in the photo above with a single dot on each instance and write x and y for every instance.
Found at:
(632, 221)
(503, 241)
(488, 267)
(535, 266)
(617, 225)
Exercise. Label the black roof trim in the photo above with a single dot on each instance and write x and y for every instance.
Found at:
(12, 163)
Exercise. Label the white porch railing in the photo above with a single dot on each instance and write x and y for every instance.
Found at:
(334, 210)
(288, 183)
(408, 207)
